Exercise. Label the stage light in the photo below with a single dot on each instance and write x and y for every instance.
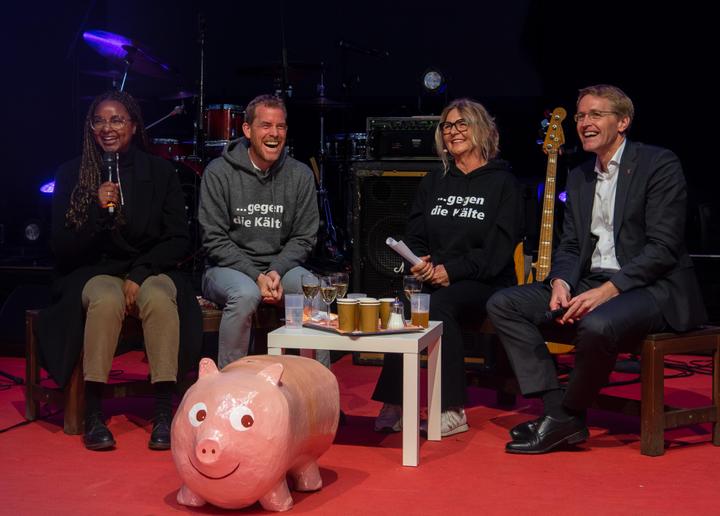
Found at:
(32, 231)
(562, 196)
(433, 81)
(48, 188)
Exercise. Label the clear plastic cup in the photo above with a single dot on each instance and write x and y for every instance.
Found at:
(294, 310)
(420, 310)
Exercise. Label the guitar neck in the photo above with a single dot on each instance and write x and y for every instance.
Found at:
(542, 266)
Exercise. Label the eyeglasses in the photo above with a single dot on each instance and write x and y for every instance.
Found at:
(592, 115)
(460, 124)
(116, 123)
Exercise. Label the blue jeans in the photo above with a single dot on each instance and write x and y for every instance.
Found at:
(239, 296)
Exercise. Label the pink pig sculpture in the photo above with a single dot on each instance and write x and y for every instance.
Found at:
(239, 432)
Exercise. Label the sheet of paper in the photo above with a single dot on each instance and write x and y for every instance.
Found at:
(403, 250)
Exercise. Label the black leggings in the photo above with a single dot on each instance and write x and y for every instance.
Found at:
(461, 301)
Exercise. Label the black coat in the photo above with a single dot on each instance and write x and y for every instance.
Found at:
(649, 229)
(152, 241)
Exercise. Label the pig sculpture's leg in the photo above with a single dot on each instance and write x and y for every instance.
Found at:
(307, 477)
(186, 497)
(278, 498)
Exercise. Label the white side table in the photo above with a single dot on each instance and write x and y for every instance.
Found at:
(410, 345)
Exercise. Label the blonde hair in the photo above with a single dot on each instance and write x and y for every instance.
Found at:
(483, 134)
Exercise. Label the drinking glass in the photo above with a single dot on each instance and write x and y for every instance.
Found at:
(411, 285)
(341, 280)
(328, 291)
(310, 287)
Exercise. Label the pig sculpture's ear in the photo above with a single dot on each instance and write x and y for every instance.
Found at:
(207, 366)
(272, 373)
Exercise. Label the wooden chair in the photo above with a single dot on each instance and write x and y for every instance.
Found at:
(655, 416)
(72, 397)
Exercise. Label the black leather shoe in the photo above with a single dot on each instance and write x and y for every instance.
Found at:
(97, 436)
(160, 436)
(524, 431)
(549, 434)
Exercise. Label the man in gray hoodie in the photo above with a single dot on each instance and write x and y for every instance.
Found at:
(259, 219)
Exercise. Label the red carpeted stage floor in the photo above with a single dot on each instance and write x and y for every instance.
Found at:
(45, 471)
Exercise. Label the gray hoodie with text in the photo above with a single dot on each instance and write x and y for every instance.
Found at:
(253, 221)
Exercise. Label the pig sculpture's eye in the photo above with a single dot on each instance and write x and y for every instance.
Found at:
(197, 414)
(241, 418)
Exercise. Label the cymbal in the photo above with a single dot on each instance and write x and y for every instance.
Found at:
(107, 74)
(275, 70)
(92, 97)
(180, 95)
(120, 49)
(321, 103)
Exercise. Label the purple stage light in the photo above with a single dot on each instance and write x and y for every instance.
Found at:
(562, 196)
(48, 188)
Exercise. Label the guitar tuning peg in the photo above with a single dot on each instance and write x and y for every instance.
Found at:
(544, 123)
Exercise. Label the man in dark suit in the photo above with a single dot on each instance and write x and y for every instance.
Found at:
(621, 271)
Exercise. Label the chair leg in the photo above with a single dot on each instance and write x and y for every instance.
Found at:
(652, 405)
(75, 402)
(32, 369)
(716, 392)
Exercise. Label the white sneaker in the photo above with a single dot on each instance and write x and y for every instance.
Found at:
(452, 421)
(389, 419)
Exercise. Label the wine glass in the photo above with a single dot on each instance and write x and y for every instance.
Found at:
(310, 287)
(328, 291)
(411, 285)
(341, 281)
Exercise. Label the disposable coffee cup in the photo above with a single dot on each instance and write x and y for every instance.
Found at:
(420, 310)
(369, 314)
(385, 310)
(347, 314)
(294, 310)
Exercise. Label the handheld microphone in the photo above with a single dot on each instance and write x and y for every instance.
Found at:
(110, 161)
(549, 315)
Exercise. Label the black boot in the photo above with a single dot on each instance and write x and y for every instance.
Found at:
(162, 418)
(96, 436)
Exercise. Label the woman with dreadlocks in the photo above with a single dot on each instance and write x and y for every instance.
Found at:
(116, 262)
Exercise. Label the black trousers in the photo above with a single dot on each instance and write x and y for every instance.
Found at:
(463, 300)
(598, 337)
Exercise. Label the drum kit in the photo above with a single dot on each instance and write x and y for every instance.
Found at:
(218, 123)
(215, 125)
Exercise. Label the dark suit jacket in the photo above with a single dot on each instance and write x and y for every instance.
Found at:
(649, 229)
(153, 240)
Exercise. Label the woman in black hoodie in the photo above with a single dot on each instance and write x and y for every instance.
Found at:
(464, 224)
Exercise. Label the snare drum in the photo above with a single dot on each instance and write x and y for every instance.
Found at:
(223, 121)
(171, 149)
(214, 149)
(352, 146)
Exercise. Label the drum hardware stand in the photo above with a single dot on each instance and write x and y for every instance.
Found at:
(199, 125)
(128, 63)
(177, 110)
(322, 192)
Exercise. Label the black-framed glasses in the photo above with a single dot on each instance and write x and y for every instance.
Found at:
(592, 115)
(116, 123)
(460, 124)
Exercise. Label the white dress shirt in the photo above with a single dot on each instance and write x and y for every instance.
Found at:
(603, 214)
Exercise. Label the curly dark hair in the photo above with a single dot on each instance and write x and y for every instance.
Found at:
(84, 194)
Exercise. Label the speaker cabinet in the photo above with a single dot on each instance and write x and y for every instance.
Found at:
(383, 195)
